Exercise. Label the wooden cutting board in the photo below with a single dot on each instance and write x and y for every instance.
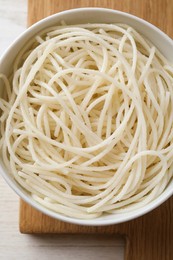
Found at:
(149, 237)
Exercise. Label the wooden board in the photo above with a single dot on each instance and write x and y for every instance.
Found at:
(149, 237)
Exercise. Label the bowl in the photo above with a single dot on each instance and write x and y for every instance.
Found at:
(87, 15)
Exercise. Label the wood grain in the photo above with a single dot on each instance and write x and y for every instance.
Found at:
(149, 237)
(157, 12)
(16, 246)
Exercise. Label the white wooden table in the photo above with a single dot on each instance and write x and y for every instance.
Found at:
(13, 245)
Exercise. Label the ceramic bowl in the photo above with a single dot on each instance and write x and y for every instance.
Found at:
(87, 15)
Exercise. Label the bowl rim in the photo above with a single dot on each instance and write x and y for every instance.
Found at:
(21, 192)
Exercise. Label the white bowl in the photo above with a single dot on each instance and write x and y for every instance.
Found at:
(88, 15)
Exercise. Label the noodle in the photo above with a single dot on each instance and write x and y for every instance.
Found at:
(87, 120)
